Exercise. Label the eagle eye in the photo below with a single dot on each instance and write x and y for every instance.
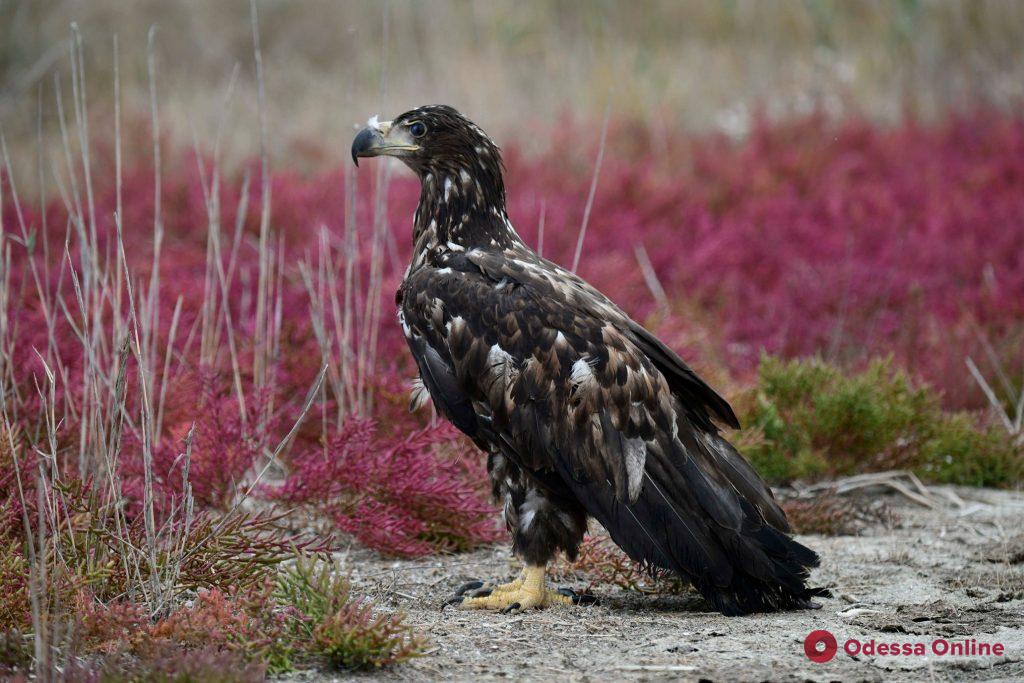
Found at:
(417, 129)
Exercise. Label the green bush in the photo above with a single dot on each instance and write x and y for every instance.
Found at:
(346, 631)
(807, 419)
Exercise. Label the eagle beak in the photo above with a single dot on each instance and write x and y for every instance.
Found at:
(368, 143)
(379, 139)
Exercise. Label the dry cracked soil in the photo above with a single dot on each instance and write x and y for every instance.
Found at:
(915, 575)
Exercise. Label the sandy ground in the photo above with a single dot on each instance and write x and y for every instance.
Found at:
(954, 573)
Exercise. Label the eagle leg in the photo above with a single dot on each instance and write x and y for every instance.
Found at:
(529, 590)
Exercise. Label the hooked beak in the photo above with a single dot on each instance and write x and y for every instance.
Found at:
(379, 139)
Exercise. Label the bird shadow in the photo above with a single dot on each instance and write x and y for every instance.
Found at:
(666, 604)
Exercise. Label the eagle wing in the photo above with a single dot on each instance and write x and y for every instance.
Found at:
(522, 365)
(527, 357)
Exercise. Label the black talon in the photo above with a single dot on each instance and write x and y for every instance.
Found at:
(454, 600)
(469, 586)
(481, 592)
(511, 608)
(579, 598)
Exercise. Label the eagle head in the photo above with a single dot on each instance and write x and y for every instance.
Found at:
(434, 139)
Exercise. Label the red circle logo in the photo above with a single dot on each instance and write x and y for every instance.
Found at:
(820, 646)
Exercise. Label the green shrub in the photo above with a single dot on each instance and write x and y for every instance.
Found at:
(342, 629)
(807, 419)
(313, 589)
(355, 638)
(964, 453)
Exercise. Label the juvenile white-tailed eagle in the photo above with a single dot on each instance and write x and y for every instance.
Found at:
(582, 412)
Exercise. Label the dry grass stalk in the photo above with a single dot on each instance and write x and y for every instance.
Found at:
(593, 188)
(116, 327)
(1009, 412)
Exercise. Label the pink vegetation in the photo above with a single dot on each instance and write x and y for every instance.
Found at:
(848, 240)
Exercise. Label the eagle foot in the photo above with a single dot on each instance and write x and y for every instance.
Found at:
(527, 591)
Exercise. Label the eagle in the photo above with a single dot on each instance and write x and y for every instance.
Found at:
(581, 411)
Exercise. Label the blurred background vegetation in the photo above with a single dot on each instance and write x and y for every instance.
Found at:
(519, 68)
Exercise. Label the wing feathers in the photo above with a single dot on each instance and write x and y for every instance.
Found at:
(441, 382)
(692, 390)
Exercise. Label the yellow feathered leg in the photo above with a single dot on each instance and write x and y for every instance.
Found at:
(529, 590)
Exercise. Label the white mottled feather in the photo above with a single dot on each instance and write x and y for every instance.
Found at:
(418, 396)
(501, 366)
(636, 458)
(582, 375)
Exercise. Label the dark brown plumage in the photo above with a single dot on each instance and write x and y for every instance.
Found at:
(583, 412)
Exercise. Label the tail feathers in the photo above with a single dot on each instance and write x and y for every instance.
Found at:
(702, 515)
(718, 457)
(776, 577)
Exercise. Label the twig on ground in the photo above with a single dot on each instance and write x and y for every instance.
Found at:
(894, 479)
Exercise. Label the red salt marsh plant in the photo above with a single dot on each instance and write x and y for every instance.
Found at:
(395, 493)
(849, 240)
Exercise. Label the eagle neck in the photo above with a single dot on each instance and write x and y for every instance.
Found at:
(457, 209)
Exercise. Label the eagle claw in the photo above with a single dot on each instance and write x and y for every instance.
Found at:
(470, 589)
(454, 600)
(473, 585)
(584, 599)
